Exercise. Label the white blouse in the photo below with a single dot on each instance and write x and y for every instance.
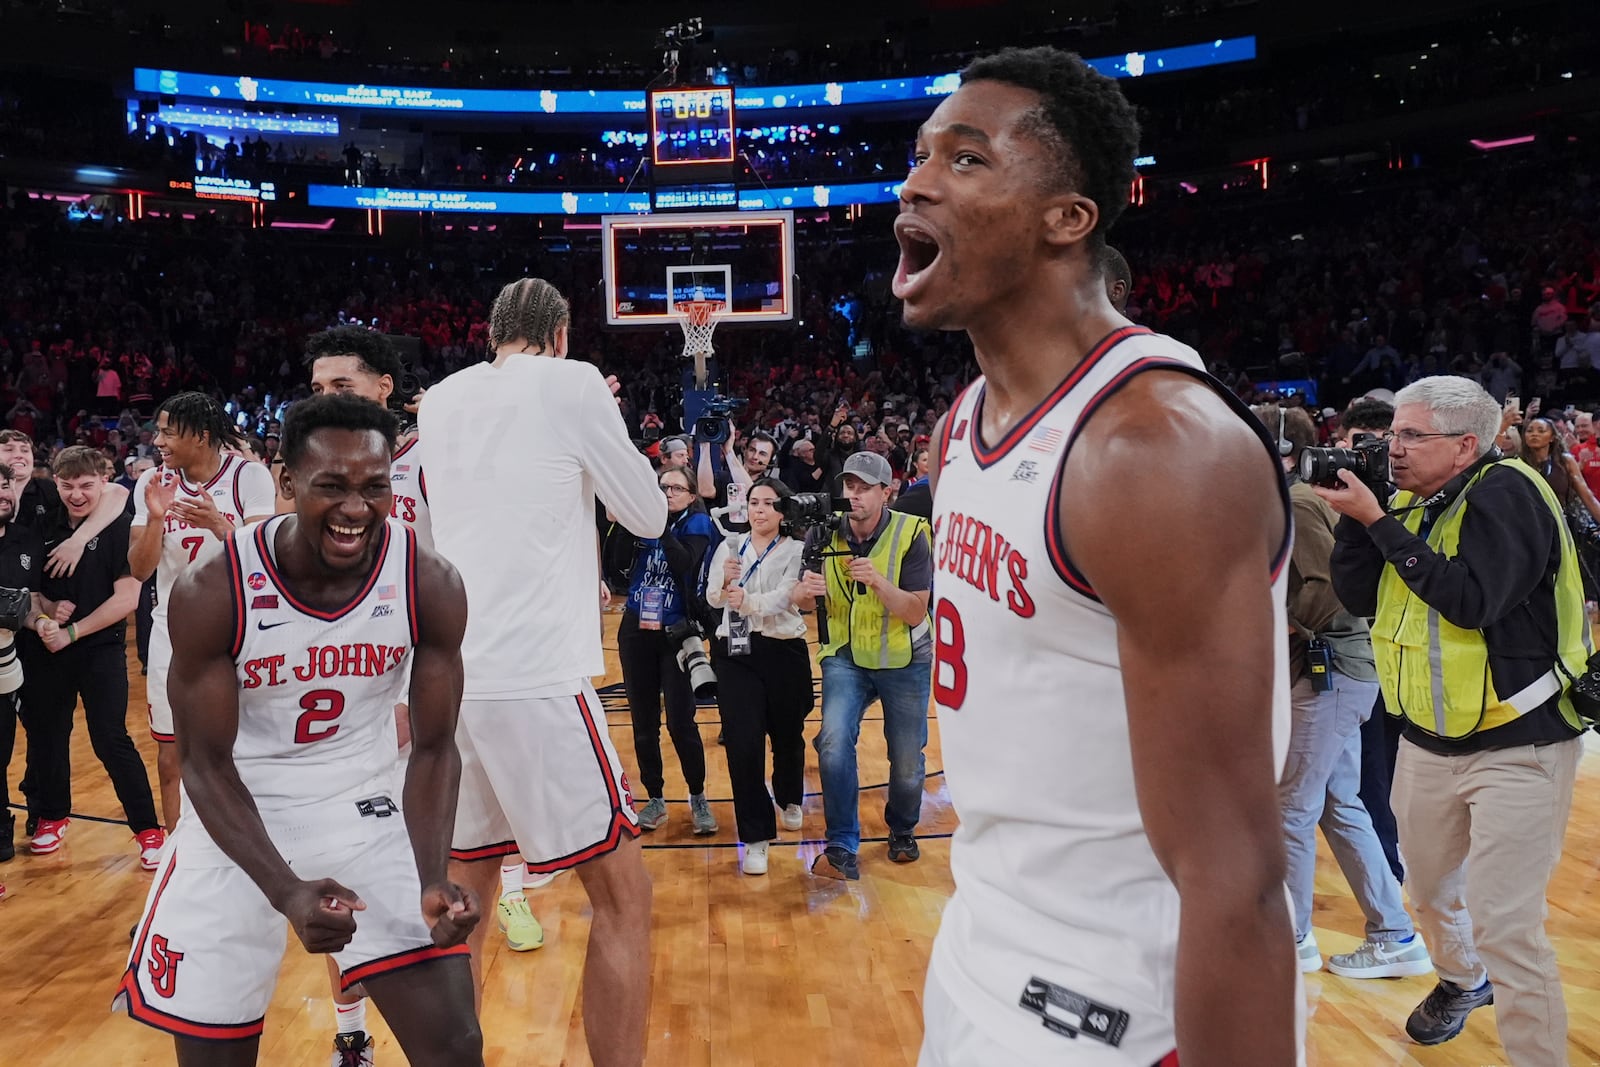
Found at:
(767, 591)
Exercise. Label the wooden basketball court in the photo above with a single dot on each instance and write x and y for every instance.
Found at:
(774, 971)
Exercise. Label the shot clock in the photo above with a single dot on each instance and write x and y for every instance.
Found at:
(691, 125)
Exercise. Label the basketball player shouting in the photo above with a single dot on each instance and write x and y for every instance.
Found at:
(289, 653)
(183, 513)
(516, 451)
(1110, 662)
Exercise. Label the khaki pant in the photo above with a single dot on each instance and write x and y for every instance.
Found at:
(1483, 832)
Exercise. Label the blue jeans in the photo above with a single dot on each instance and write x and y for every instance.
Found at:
(847, 690)
(1319, 787)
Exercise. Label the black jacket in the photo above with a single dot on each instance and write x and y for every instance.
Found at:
(1501, 581)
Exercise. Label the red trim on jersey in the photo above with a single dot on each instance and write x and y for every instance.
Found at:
(1054, 537)
(413, 625)
(422, 484)
(1169, 1060)
(150, 714)
(236, 595)
(949, 417)
(403, 449)
(600, 754)
(227, 460)
(238, 501)
(622, 829)
(140, 1009)
(397, 962)
(303, 608)
(483, 852)
(987, 457)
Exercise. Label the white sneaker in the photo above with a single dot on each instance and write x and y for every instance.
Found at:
(538, 881)
(1310, 955)
(1384, 959)
(791, 817)
(755, 858)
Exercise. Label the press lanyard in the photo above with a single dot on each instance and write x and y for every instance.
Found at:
(751, 572)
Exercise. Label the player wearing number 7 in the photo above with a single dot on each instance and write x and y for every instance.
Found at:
(290, 650)
(183, 511)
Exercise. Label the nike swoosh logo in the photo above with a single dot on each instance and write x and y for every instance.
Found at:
(261, 625)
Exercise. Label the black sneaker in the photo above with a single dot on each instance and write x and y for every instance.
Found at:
(1444, 1012)
(353, 1050)
(903, 848)
(837, 861)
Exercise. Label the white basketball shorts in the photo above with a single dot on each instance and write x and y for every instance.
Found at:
(539, 776)
(207, 950)
(155, 683)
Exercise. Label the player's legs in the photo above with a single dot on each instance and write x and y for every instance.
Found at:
(167, 772)
(482, 878)
(161, 721)
(616, 966)
(431, 1011)
(196, 1053)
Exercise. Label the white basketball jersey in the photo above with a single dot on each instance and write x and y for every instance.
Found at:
(411, 491)
(1057, 888)
(239, 488)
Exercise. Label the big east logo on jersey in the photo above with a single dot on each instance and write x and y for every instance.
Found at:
(974, 552)
(325, 661)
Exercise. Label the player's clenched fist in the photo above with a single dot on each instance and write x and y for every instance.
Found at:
(322, 914)
(451, 911)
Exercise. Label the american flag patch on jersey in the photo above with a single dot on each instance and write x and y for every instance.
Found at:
(386, 592)
(1045, 439)
(402, 468)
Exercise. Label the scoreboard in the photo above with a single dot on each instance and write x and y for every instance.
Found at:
(691, 125)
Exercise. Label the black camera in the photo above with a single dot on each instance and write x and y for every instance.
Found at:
(692, 658)
(1367, 458)
(15, 607)
(713, 425)
(804, 512)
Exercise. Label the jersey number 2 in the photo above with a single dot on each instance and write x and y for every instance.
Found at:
(949, 657)
(320, 708)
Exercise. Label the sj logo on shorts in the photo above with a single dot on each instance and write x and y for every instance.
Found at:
(163, 967)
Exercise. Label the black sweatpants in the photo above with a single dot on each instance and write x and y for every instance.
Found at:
(99, 674)
(144, 621)
(766, 694)
(1380, 745)
(649, 674)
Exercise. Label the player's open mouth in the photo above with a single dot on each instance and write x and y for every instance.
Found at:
(346, 537)
(919, 251)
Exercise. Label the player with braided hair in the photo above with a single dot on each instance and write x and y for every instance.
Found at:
(184, 511)
(538, 770)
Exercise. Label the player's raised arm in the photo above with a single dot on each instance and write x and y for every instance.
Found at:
(1180, 546)
(204, 690)
(623, 478)
(433, 773)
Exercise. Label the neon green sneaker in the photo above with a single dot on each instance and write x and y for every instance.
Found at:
(522, 930)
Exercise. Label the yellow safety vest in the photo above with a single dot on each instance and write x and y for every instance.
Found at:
(1437, 674)
(878, 639)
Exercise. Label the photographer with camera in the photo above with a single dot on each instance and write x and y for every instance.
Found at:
(763, 670)
(657, 642)
(1334, 689)
(874, 582)
(1479, 626)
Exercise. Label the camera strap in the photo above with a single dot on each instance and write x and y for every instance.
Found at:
(752, 570)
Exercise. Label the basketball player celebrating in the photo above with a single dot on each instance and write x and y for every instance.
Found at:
(516, 451)
(183, 513)
(289, 655)
(1109, 620)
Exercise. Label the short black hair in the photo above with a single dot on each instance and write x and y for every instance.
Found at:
(375, 351)
(1083, 117)
(1372, 416)
(1114, 266)
(332, 411)
(762, 435)
(196, 413)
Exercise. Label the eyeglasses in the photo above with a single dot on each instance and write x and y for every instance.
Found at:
(673, 490)
(1411, 437)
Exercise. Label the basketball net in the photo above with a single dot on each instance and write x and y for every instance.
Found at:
(699, 321)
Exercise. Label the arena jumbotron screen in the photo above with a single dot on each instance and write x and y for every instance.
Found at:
(691, 125)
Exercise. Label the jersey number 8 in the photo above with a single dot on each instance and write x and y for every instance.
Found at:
(949, 657)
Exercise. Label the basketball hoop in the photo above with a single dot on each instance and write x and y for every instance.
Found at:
(699, 321)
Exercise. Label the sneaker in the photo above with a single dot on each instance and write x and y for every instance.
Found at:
(1310, 955)
(1444, 1012)
(48, 837)
(150, 842)
(755, 858)
(700, 813)
(522, 930)
(353, 1050)
(653, 814)
(538, 881)
(1383, 959)
(837, 861)
(791, 817)
(903, 848)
